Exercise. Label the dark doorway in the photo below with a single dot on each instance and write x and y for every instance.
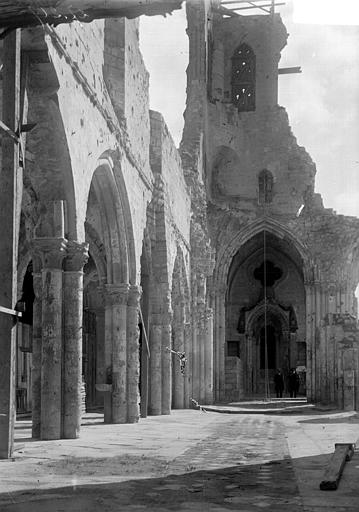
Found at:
(89, 350)
(268, 338)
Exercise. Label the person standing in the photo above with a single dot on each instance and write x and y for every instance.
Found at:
(279, 383)
(293, 383)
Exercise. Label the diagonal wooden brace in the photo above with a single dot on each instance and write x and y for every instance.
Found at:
(343, 453)
(9, 311)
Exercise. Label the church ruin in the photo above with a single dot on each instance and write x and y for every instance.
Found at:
(149, 275)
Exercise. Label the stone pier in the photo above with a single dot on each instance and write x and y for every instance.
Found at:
(52, 251)
(155, 376)
(77, 254)
(166, 394)
(116, 351)
(133, 368)
(36, 347)
(178, 346)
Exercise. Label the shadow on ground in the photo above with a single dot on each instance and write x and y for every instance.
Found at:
(325, 420)
(243, 487)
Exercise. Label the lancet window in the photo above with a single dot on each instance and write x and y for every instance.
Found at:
(244, 78)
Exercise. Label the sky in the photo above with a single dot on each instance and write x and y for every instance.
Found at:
(322, 102)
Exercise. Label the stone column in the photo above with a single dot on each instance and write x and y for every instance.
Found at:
(221, 341)
(144, 366)
(36, 347)
(201, 339)
(107, 298)
(208, 356)
(310, 342)
(347, 370)
(195, 350)
(133, 367)
(187, 375)
(155, 377)
(100, 353)
(77, 255)
(167, 360)
(116, 348)
(53, 251)
(178, 346)
(218, 331)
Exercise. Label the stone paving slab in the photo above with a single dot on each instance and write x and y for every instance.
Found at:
(189, 461)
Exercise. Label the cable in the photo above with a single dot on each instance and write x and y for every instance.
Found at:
(266, 374)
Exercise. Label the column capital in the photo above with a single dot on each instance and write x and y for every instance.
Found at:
(134, 295)
(77, 255)
(52, 251)
(115, 294)
(37, 284)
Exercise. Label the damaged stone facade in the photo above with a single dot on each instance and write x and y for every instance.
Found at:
(133, 254)
(262, 217)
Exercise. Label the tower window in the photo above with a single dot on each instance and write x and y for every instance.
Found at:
(265, 187)
(243, 78)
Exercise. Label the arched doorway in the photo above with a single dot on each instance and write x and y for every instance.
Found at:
(266, 346)
(265, 314)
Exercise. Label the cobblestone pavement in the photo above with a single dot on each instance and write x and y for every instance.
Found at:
(242, 464)
(189, 461)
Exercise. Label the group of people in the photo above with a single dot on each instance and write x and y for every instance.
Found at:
(293, 383)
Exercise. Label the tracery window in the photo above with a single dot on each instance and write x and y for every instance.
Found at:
(265, 187)
(244, 78)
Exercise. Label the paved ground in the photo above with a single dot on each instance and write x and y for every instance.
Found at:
(189, 461)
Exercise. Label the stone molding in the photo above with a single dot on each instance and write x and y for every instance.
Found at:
(52, 251)
(116, 294)
(134, 295)
(77, 256)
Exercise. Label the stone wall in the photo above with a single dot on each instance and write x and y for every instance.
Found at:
(166, 162)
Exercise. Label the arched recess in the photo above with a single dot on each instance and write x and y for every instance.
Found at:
(226, 173)
(111, 264)
(180, 334)
(231, 245)
(108, 192)
(241, 292)
(266, 346)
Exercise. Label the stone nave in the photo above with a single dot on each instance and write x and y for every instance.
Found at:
(150, 275)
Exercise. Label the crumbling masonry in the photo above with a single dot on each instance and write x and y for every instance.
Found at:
(130, 248)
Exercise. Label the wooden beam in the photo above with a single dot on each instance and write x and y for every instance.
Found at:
(343, 453)
(225, 11)
(241, 2)
(288, 71)
(9, 132)
(259, 6)
(29, 15)
(10, 208)
(9, 311)
(256, 7)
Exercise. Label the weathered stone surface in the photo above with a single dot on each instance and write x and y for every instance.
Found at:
(225, 235)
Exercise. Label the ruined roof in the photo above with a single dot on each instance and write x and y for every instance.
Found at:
(29, 13)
